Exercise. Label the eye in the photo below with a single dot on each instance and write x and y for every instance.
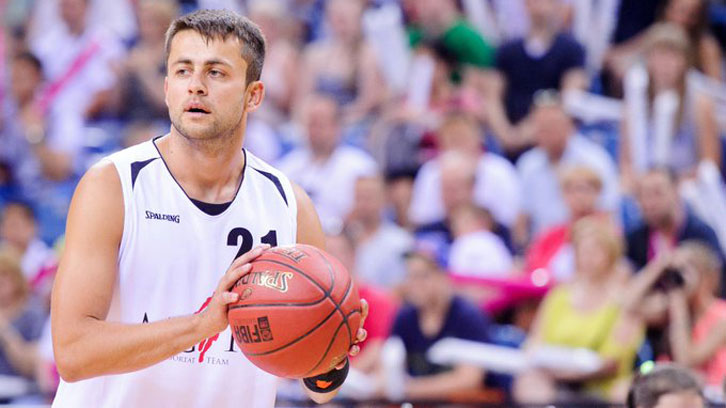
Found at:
(182, 71)
(215, 73)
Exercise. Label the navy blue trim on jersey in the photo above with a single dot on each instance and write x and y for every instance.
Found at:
(136, 168)
(211, 208)
(193, 201)
(275, 181)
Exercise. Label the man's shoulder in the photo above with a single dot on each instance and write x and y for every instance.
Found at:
(531, 162)
(354, 156)
(590, 152)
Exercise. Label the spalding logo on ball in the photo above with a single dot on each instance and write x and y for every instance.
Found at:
(298, 312)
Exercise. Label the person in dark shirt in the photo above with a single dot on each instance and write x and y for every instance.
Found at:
(666, 220)
(431, 313)
(545, 59)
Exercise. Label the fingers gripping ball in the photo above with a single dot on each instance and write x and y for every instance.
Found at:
(298, 312)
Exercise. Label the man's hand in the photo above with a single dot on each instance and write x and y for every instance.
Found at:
(360, 335)
(213, 319)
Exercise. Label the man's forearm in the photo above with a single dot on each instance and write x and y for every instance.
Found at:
(102, 348)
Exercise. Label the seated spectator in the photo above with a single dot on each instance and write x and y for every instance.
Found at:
(143, 71)
(558, 61)
(440, 22)
(691, 16)
(344, 65)
(588, 312)
(666, 220)
(324, 168)
(551, 251)
(431, 313)
(667, 122)
(686, 283)
(558, 145)
(77, 60)
(476, 250)
(380, 244)
(496, 187)
(44, 151)
(21, 322)
(382, 304)
(18, 231)
(666, 386)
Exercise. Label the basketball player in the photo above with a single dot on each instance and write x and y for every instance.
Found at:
(140, 301)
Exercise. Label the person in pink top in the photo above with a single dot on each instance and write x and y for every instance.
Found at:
(697, 318)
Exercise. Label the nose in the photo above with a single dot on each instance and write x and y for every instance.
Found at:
(196, 84)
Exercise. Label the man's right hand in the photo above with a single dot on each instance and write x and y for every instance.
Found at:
(213, 319)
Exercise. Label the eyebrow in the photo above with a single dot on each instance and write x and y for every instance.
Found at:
(188, 61)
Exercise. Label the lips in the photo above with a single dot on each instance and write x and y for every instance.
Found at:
(196, 107)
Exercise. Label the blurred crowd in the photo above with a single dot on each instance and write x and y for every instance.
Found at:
(537, 177)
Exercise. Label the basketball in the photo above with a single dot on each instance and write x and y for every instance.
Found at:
(298, 312)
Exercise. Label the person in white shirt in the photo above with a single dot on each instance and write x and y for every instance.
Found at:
(497, 185)
(324, 168)
(558, 145)
(380, 244)
(476, 250)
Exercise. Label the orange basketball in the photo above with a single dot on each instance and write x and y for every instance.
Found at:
(298, 312)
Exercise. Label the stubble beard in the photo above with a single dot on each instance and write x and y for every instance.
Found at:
(213, 138)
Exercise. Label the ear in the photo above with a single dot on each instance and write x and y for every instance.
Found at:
(166, 90)
(255, 96)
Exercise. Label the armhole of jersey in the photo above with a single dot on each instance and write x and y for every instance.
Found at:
(292, 205)
(126, 196)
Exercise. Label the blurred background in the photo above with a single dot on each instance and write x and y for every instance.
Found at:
(529, 193)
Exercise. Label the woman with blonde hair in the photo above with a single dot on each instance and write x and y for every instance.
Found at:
(21, 323)
(586, 313)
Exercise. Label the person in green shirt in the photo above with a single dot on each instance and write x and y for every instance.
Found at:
(440, 22)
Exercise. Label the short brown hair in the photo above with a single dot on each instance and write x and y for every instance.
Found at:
(220, 24)
(664, 379)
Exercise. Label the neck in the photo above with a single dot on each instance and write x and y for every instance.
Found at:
(322, 154)
(208, 170)
(670, 225)
(438, 305)
(76, 29)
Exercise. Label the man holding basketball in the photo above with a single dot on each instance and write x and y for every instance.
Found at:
(139, 308)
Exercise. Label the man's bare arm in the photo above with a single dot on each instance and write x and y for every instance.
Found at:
(85, 344)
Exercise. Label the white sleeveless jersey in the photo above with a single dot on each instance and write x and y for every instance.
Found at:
(171, 257)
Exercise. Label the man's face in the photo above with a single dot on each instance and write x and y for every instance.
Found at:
(542, 10)
(73, 12)
(16, 228)
(322, 124)
(552, 128)
(25, 80)
(657, 198)
(205, 86)
(370, 198)
(423, 281)
(680, 400)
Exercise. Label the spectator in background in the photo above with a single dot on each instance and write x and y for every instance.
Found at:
(666, 220)
(588, 312)
(143, 71)
(496, 185)
(556, 58)
(697, 318)
(343, 65)
(691, 16)
(666, 386)
(476, 250)
(431, 313)
(43, 150)
(380, 244)
(18, 232)
(551, 250)
(77, 60)
(667, 122)
(440, 22)
(21, 322)
(381, 303)
(326, 169)
(558, 145)
(281, 71)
